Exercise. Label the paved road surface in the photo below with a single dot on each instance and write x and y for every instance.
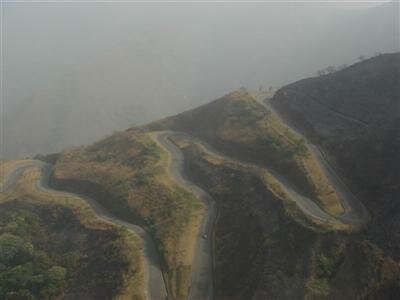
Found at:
(155, 287)
(354, 211)
(202, 270)
(201, 283)
(201, 287)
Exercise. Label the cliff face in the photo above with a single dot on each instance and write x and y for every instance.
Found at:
(354, 115)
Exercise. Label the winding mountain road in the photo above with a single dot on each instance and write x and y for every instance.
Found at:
(201, 287)
(354, 211)
(353, 214)
(155, 286)
(11, 177)
(201, 283)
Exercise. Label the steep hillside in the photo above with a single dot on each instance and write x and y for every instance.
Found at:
(354, 115)
(353, 102)
(54, 247)
(238, 125)
(126, 173)
(263, 244)
(262, 252)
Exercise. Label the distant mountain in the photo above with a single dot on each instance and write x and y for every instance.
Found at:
(70, 85)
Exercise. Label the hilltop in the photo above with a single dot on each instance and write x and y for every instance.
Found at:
(241, 127)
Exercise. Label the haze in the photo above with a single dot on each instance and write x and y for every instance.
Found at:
(74, 72)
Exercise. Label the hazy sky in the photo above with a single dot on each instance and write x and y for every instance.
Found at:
(114, 64)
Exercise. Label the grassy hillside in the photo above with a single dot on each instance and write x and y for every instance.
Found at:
(54, 247)
(261, 252)
(126, 172)
(239, 126)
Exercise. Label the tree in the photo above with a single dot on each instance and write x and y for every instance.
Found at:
(14, 250)
(330, 69)
(56, 274)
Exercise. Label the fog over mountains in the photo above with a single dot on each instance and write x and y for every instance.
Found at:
(76, 72)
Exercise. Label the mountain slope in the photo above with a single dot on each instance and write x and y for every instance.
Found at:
(357, 108)
(53, 246)
(264, 246)
(238, 125)
(126, 172)
(263, 251)
(354, 115)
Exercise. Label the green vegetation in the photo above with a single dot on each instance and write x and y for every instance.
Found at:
(327, 263)
(27, 272)
(53, 246)
(275, 143)
(36, 263)
(126, 172)
(45, 254)
(319, 288)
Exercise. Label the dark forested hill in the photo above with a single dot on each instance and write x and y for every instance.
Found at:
(354, 114)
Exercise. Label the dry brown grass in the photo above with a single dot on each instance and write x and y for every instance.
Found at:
(272, 184)
(180, 279)
(241, 127)
(132, 168)
(6, 166)
(324, 191)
